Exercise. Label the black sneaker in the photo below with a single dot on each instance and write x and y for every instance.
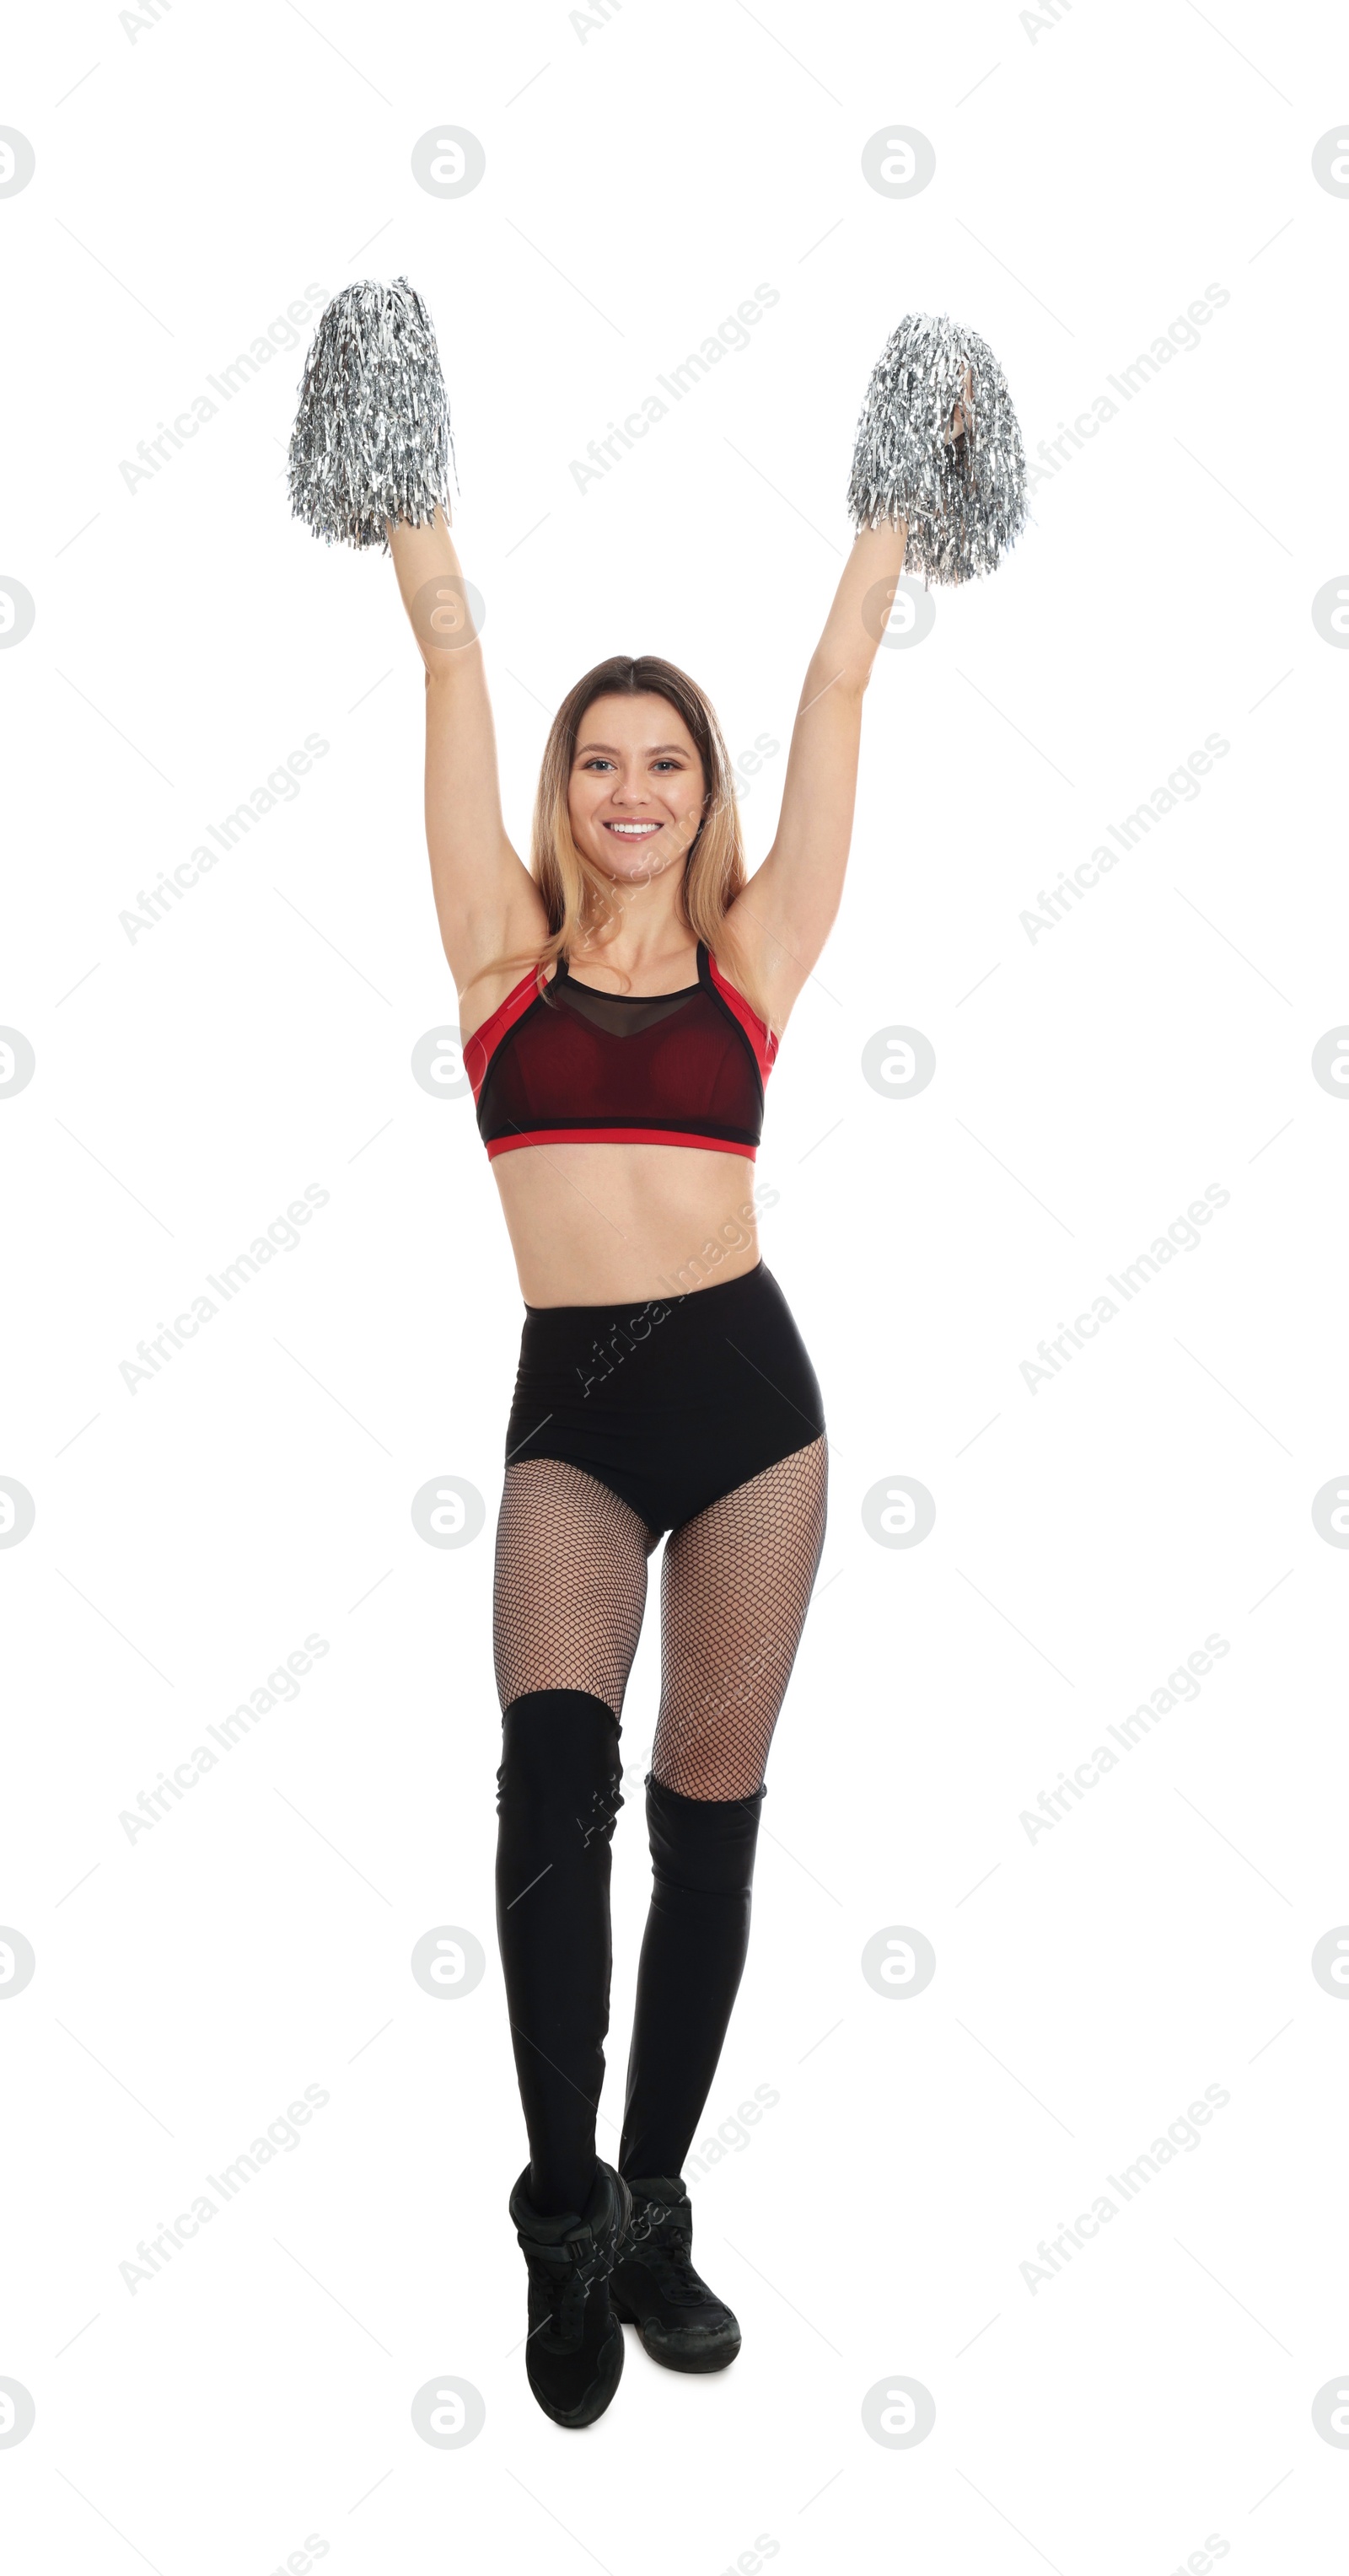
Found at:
(574, 2350)
(654, 2287)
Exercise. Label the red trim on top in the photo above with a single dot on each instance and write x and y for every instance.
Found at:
(760, 1036)
(615, 1136)
(479, 1050)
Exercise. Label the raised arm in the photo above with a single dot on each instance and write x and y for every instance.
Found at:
(782, 918)
(486, 900)
(784, 915)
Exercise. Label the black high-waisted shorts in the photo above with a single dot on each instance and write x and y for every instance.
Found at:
(670, 1403)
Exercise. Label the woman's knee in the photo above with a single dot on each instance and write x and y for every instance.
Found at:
(561, 1760)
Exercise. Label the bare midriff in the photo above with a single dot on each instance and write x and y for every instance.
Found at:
(596, 1225)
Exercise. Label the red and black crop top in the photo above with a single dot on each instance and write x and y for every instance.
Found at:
(575, 1066)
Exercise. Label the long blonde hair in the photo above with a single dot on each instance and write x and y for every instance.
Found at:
(580, 901)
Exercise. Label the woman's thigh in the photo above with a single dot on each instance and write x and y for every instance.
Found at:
(735, 1588)
(570, 1583)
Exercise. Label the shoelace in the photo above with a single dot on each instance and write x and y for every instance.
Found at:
(566, 2292)
(668, 2250)
(565, 2295)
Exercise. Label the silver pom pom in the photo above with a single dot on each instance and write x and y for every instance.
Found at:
(372, 432)
(963, 494)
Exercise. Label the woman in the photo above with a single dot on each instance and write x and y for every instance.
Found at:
(621, 1005)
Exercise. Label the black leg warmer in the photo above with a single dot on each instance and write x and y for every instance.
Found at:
(558, 1796)
(693, 1955)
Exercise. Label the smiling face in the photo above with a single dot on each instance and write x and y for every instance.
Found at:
(636, 792)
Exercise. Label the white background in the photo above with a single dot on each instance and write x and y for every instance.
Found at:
(194, 174)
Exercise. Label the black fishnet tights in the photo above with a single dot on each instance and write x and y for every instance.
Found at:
(570, 1583)
(571, 1579)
